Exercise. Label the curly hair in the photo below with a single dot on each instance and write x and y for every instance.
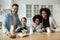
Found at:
(46, 10)
(37, 17)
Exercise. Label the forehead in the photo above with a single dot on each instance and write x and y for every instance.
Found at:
(23, 20)
(37, 19)
(43, 11)
(14, 7)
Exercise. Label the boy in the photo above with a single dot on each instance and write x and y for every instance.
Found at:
(22, 26)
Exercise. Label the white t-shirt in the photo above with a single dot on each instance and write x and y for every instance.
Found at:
(14, 20)
(37, 26)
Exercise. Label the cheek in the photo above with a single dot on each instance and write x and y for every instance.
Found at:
(15, 10)
(23, 22)
(44, 15)
(37, 22)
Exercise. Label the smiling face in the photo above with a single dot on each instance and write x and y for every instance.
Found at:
(37, 21)
(23, 22)
(14, 10)
(44, 14)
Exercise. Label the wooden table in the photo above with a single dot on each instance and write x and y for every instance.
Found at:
(35, 36)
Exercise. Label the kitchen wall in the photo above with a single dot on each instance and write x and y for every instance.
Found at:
(6, 4)
(55, 3)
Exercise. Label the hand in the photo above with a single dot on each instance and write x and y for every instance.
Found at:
(8, 33)
(11, 35)
(18, 29)
(52, 30)
(34, 27)
(43, 29)
(54, 27)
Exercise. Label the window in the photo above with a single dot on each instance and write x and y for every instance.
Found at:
(51, 8)
(28, 11)
(43, 6)
(32, 10)
(36, 9)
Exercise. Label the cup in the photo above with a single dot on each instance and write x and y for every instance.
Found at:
(31, 30)
(48, 30)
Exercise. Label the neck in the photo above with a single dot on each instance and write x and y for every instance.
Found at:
(45, 17)
(37, 24)
(14, 14)
(23, 25)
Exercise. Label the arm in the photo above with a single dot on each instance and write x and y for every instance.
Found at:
(34, 27)
(19, 27)
(54, 25)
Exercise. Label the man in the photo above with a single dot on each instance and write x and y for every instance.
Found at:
(11, 20)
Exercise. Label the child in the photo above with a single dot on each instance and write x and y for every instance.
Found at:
(22, 26)
(37, 22)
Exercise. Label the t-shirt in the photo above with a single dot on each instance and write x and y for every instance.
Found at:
(45, 22)
(14, 20)
(38, 26)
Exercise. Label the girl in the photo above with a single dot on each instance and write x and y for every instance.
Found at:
(37, 22)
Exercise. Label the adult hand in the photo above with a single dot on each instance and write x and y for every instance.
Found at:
(8, 33)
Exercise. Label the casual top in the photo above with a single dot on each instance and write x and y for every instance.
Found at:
(24, 27)
(52, 22)
(14, 20)
(8, 21)
(37, 26)
(46, 22)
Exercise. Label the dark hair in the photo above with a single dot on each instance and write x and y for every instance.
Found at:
(24, 18)
(15, 5)
(46, 10)
(37, 16)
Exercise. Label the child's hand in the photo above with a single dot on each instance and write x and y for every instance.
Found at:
(43, 29)
(18, 28)
(34, 27)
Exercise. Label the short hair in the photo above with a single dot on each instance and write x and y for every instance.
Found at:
(15, 5)
(46, 10)
(24, 18)
(37, 17)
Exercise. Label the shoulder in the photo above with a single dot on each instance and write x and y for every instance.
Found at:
(51, 18)
(8, 14)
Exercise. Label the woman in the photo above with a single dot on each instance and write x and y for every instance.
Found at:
(48, 21)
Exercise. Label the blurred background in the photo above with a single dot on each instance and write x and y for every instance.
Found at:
(29, 8)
